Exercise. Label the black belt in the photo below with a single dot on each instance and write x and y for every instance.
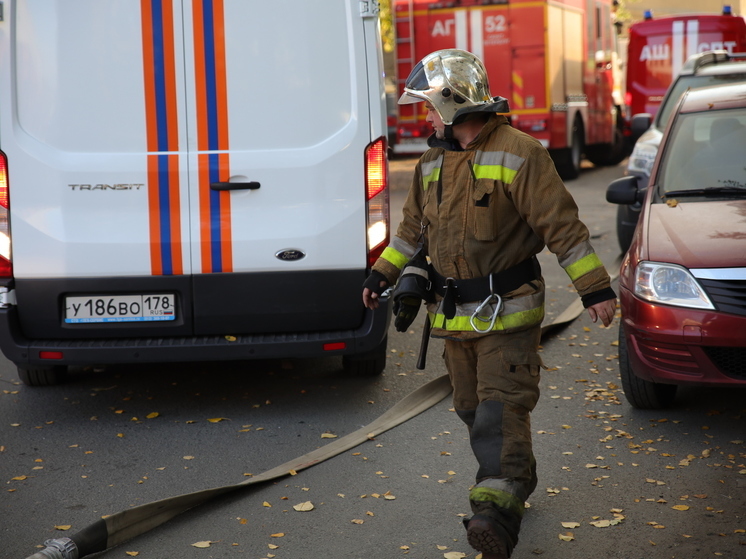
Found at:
(456, 291)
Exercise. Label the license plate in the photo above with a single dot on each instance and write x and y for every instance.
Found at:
(120, 308)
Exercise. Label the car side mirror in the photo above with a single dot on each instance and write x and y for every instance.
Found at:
(640, 123)
(623, 191)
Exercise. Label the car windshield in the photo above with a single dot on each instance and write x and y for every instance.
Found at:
(686, 82)
(705, 154)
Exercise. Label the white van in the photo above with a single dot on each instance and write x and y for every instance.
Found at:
(188, 180)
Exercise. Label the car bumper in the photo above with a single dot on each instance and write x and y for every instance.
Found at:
(683, 346)
(80, 352)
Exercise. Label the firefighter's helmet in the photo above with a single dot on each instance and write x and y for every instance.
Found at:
(454, 81)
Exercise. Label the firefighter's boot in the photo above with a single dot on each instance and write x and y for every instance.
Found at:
(500, 437)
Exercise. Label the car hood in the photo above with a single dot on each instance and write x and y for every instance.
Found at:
(708, 234)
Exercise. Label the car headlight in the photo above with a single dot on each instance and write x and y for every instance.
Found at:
(642, 158)
(671, 285)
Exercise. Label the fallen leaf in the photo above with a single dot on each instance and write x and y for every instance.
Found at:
(266, 504)
(202, 545)
(601, 523)
(328, 436)
(152, 415)
(217, 419)
(357, 521)
(63, 527)
(231, 338)
(277, 535)
(304, 507)
(570, 525)
(18, 478)
(132, 553)
(454, 555)
(273, 546)
(680, 507)
(567, 537)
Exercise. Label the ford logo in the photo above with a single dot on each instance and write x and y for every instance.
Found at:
(290, 254)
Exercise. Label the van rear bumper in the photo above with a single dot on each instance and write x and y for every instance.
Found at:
(80, 352)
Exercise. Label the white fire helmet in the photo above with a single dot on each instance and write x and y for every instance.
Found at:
(451, 80)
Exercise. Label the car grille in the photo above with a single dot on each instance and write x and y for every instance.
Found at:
(730, 361)
(728, 296)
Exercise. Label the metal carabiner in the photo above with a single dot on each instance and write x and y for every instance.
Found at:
(487, 319)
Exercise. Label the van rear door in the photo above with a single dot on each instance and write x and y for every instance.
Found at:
(278, 126)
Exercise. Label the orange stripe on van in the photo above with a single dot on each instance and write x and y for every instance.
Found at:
(216, 248)
(162, 133)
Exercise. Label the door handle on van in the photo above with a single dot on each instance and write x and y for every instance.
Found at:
(252, 185)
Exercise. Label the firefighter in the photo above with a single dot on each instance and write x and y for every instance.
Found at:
(484, 200)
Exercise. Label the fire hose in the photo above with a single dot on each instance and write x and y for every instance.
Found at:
(123, 526)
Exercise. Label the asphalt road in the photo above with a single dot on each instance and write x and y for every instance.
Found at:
(656, 484)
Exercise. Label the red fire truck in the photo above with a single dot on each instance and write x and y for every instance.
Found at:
(552, 59)
(658, 48)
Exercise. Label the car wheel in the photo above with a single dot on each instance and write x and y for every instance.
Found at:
(625, 230)
(640, 393)
(42, 376)
(369, 364)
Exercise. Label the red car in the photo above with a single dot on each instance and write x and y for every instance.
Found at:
(682, 284)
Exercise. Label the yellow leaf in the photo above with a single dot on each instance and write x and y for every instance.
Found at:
(132, 553)
(273, 546)
(454, 555)
(152, 415)
(18, 478)
(672, 203)
(217, 419)
(231, 338)
(243, 521)
(567, 537)
(304, 507)
(277, 535)
(202, 545)
(680, 507)
(328, 436)
(63, 527)
(601, 523)
(357, 521)
(188, 457)
(570, 525)
(266, 504)
(442, 547)
(120, 435)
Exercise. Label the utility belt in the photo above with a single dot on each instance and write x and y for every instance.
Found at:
(489, 289)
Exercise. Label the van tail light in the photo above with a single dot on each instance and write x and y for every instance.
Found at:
(377, 198)
(6, 269)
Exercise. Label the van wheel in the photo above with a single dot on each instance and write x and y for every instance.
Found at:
(369, 364)
(640, 393)
(42, 376)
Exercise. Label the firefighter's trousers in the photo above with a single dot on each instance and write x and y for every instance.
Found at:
(495, 382)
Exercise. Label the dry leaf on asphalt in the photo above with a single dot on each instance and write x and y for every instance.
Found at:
(454, 555)
(63, 527)
(567, 537)
(304, 507)
(328, 436)
(202, 545)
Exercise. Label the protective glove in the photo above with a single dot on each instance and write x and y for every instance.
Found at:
(373, 282)
(405, 311)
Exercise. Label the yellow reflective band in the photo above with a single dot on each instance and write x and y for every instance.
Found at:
(432, 177)
(583, 266)
(506, 322)
(495, 172)
(502, 499)
(394, 256)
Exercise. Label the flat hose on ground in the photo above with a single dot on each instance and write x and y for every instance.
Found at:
(118, 528)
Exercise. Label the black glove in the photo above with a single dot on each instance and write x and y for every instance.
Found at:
(373, 282)
(405, 311)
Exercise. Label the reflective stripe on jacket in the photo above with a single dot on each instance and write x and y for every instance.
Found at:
(485, 209)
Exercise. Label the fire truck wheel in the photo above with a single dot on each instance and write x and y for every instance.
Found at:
(604, 155)
(567, 160)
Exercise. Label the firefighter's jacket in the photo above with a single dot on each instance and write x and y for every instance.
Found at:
(484, 210)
